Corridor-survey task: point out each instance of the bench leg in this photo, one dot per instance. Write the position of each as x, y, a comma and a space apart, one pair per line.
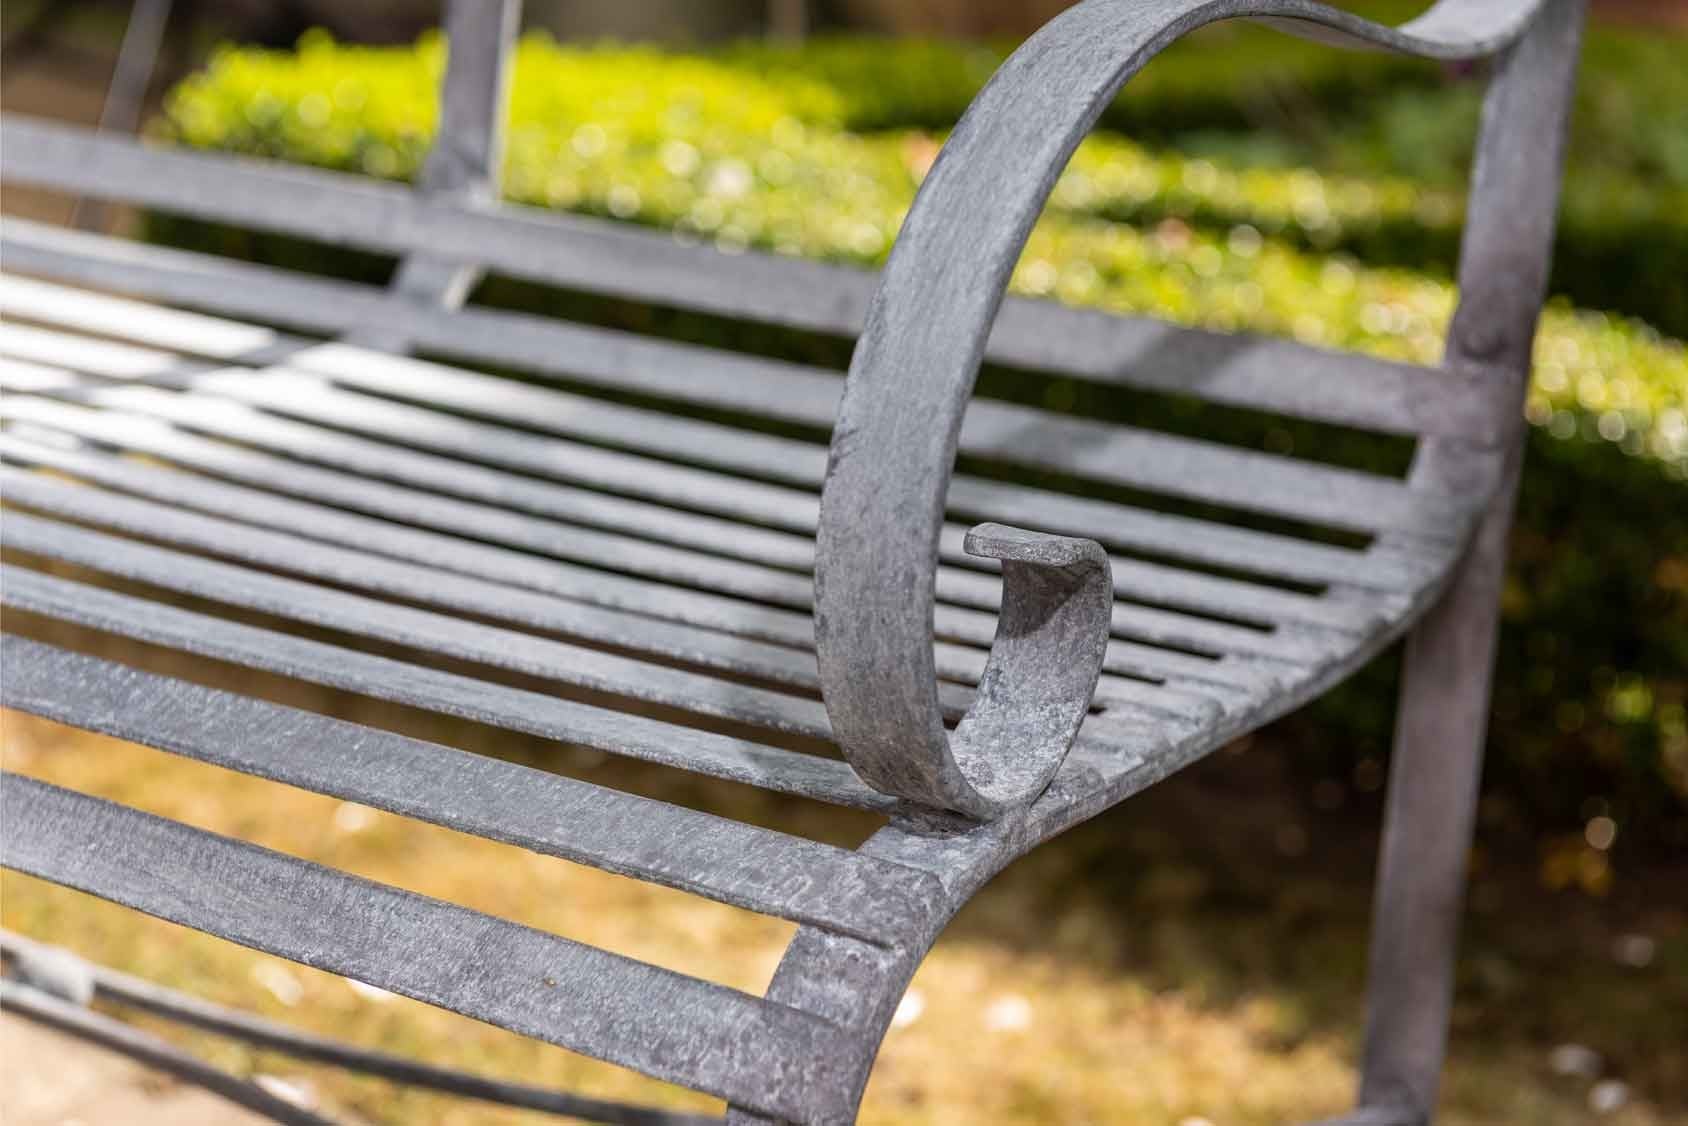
1432, 800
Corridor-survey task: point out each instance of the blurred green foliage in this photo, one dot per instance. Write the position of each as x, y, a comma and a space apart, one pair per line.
1248, 105
698, 146
767, 147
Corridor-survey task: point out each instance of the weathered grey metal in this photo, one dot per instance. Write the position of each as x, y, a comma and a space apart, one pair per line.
954, 621
1442, 721
1188, 674
1163, 585
606, 257
530, 712
1180, 467
1232, 548
771, 873
912, 373
463, 164
659, 564
663, 1023
1034, 694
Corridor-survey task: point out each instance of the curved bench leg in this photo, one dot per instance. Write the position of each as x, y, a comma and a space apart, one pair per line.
1433, 782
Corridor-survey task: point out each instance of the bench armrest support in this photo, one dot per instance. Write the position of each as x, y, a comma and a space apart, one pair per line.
913, 372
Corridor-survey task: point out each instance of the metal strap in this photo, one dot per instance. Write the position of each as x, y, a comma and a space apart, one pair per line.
150, 1050
534, 713
758, 870
665, 1024
613, 258
547, 346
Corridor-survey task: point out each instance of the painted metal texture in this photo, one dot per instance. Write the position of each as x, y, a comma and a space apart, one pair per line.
751, 571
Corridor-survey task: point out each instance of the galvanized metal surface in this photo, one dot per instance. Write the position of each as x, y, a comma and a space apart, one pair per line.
464, 163
653, 559
1444, 711
600, 256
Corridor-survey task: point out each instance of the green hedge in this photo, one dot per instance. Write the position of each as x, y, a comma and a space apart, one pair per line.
1221, 78
701, 146
1622, 242
1253, 112
1624, 232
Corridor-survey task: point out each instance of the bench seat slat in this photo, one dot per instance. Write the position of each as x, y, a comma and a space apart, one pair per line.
613, 258
21, 376
1189, 677
456, 519
280, 391
544, 345
439, 635
428, 633
962, 587
416, 686
756, 869
1174, 466
337, 449
665, 1024
345, 567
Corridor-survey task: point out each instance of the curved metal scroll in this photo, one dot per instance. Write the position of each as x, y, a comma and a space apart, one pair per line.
913, 372
1057, 594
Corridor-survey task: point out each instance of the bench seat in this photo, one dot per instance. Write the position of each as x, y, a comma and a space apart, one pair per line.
387, 498
229, 486
568, 568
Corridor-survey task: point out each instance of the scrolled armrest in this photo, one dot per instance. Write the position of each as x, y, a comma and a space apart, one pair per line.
913, 371
1057, 598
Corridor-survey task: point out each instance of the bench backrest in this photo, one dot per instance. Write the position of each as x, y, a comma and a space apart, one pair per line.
449, 229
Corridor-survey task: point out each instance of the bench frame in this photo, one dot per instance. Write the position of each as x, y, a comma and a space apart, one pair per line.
922, 341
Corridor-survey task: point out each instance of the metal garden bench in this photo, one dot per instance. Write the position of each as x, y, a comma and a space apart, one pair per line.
702, 590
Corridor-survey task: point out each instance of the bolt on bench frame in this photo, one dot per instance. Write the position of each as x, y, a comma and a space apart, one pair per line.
986, 686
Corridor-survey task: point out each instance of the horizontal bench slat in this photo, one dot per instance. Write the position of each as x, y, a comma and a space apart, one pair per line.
1133, 579
138, 994
431, 634
279, 551
158, 1054
596, 255
513, 573
30, 378
677, 561
415, 686
553, 989
280, 391
771, 873
463, 519
1161, 463
544, 345
349, 567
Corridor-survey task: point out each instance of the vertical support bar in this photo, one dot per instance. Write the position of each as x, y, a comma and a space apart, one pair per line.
126, 96
468, 149
1443, 717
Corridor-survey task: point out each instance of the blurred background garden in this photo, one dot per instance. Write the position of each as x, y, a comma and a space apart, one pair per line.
1195, 956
